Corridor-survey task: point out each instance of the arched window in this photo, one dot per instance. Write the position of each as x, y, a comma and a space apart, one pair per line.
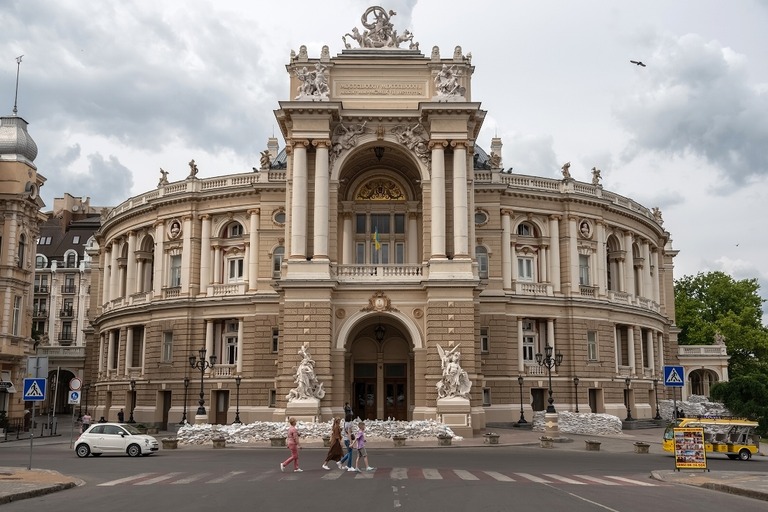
234, 230
277, 261
525, 229
71, 259
482, 261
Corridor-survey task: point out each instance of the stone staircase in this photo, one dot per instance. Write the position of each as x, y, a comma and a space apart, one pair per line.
642, 424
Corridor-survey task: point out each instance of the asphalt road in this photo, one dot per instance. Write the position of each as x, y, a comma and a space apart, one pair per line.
467, 479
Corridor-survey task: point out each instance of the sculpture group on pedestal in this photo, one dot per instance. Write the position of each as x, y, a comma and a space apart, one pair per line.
455, 381
307, 385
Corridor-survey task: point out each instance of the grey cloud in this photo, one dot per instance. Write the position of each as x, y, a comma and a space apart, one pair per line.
530, 154
107, 181
695, 99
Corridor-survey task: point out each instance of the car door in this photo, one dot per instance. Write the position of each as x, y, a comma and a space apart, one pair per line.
114, 439
95, 438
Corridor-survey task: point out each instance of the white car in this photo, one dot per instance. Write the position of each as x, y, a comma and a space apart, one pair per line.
114, 438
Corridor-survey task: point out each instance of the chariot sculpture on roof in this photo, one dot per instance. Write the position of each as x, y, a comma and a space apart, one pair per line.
379, 31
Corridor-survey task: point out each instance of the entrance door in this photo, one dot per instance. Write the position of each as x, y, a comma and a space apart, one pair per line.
222, 405
365, 399
539, 400
395, 401
166, 400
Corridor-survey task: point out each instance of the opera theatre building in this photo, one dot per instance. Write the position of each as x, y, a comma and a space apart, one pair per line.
379, 256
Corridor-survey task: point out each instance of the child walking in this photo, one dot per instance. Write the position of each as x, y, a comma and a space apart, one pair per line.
361, 452
294, 446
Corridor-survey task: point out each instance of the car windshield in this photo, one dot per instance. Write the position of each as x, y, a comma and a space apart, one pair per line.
131, 429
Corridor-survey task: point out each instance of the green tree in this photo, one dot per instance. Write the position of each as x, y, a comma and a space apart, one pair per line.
746, 396
713, 302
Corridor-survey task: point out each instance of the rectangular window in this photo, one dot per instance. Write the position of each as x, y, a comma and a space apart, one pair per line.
525, 269
236, 270
486, 397
275, 339
16, 315
381, 255
399, 253
360, 223
273, 398
584, 269
592, 345
380, 221
167, 352
235, 231
231, 350
175, 271
76, 239
399, 223
529, 343
485, 343
360, 253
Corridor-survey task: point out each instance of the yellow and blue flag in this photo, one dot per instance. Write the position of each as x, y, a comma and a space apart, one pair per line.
376, 239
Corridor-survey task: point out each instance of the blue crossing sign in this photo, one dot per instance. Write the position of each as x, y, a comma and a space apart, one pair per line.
34, 390
674, 376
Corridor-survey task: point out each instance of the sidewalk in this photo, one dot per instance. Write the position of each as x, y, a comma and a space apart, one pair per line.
19, 483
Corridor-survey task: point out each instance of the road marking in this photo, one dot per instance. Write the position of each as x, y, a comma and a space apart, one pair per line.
533, 478
333, 475
597, 480
157, 479
498, 476
224, 478
564, 479
465, 475
126, 479
631, 481
399, 474
431, 474
190, 479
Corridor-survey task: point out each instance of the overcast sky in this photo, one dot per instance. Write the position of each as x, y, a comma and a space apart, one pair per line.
113, 90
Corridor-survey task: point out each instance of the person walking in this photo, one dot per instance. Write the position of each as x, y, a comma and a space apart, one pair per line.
349, 437
120, 416
334, 452
86, 421
294, 446
347, 409
361, 452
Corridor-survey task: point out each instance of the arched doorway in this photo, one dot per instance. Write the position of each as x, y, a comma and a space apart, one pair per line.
381, 367
701, 381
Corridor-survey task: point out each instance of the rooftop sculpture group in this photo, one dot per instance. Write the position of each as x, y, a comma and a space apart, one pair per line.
379, 33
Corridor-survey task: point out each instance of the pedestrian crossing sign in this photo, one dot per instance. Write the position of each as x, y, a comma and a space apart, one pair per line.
674, 376
34, 390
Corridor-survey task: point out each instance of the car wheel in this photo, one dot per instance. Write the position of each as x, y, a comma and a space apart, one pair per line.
745, 454
134, 450
82, 450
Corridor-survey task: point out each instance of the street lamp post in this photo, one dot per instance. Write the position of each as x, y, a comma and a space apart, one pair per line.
548, 361
628, 382
576, 392
238, 379
521, 421
133, 401
656, 394
184, 416
202, 365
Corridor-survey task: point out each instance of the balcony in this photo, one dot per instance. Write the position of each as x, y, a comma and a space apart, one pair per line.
66, 313
224, 370
222, 290
66, 338
379, 273
531, 288
69, 288
40, 312
41, 288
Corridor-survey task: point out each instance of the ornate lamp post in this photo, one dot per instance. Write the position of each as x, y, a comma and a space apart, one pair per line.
133, 401
238, 379
520, 381
656, 394
576, 392
202, 365
548, 361
184, 416
628, 382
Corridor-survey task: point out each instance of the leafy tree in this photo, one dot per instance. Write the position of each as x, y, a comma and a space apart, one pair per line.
714, 302
746, 396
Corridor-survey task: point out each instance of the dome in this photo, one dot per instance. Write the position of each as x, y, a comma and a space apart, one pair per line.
15, 140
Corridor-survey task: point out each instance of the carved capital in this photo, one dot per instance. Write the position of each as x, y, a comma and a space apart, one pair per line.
437, 144
321, 143
459, 144
254, 211
508, 211
299, 143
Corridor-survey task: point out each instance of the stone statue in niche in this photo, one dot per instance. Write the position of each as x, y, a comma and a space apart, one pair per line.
455, 381
307, 385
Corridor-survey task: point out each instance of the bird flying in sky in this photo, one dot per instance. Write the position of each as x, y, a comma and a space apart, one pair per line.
637, 62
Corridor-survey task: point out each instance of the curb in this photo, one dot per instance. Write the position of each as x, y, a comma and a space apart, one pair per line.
39, 491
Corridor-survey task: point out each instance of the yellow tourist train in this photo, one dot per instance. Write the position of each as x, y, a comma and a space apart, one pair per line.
734, 437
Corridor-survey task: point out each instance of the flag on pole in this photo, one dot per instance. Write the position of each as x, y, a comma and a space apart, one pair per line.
376, 239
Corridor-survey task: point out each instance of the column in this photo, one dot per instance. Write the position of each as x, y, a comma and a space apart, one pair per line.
253, 255
128, 350
554, 259
437, 239
631, 350
656, 273
520, 355
506, 249
321, 200
660, 337
543, 264
299, 201
217, 270
646, 287
412, 239
347, 243
460, 212
602, 259
209, 340
616, 349
101, 354
130, 265
240, 354
114, 273
110, 349
106, 275
205, 253
629, 265
573, 254
651, 356
186, 255
159, 259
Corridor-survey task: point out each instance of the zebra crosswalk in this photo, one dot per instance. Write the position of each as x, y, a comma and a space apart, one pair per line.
398, 474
